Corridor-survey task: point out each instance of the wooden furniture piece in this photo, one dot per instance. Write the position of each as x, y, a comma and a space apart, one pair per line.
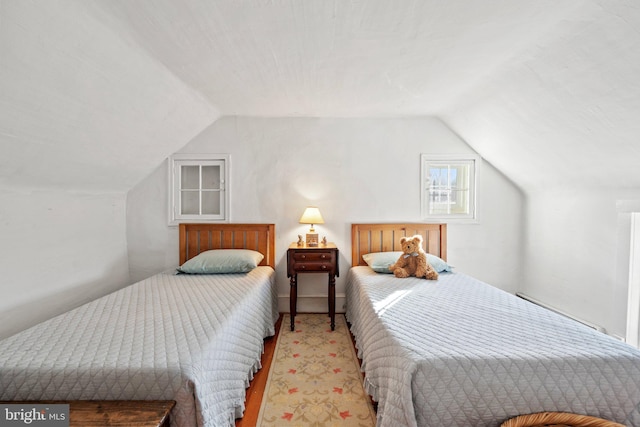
111, 413
559, 419
196, 238
321, 259
115, 413
367, 238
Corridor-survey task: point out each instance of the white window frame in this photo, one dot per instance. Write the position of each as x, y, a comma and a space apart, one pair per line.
176, 161
427, 160
629, 224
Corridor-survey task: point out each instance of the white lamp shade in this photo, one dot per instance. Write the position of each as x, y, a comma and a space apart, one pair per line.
311, 216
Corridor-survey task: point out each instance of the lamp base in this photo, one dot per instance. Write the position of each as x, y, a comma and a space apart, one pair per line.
312, 240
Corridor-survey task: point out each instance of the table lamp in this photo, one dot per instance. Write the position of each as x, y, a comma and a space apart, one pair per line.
312, 216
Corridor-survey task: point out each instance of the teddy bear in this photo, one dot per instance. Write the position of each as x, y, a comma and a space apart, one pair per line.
413, 261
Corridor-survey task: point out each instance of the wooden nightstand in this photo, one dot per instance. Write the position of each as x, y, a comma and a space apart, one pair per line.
321, 259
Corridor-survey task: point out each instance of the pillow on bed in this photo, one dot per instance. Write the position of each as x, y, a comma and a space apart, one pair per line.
438, 263
380, 261
220, 261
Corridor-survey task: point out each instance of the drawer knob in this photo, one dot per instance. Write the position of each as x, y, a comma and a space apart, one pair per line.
303, 256
303, 267
324, 267
323, 256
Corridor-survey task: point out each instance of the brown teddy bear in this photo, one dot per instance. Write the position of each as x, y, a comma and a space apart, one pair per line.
413, 262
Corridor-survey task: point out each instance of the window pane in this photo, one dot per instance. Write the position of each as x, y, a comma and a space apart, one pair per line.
210, 202
460, 189
439, 189
190, 177
189, 203
211, 177
448, 189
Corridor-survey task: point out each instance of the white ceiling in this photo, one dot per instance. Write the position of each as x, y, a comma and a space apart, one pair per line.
116, 85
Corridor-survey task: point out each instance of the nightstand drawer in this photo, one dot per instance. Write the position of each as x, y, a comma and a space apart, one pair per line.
317, 260
313, 266
315, 256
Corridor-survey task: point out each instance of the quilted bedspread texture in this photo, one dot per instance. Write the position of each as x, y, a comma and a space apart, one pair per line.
458, 352
196, 339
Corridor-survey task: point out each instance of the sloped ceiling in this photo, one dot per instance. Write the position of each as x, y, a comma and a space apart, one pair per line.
565, 113
115, 85
82, 107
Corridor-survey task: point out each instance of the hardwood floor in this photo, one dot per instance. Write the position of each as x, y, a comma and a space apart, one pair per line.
257, 386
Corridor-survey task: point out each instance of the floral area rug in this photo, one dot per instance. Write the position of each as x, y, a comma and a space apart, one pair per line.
315, 377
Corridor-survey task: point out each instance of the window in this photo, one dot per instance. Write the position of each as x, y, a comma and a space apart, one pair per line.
448, 187
199, 187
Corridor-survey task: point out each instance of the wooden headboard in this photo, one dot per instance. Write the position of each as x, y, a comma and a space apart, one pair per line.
366, 238
196, 238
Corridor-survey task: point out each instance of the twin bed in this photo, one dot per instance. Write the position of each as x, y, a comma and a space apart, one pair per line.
451, 352
193, 338
458, 352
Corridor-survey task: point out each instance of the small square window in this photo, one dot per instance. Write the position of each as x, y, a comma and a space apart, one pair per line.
199, 187
449, 187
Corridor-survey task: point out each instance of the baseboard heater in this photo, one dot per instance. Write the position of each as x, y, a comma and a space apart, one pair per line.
560, 312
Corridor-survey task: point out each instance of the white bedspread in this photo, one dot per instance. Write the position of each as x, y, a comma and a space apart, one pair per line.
458, 352
196, 339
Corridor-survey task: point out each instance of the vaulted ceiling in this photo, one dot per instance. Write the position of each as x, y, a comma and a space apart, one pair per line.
546, 91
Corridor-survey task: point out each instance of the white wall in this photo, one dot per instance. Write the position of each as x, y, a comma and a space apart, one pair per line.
577, 254
355, 170
58, 250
